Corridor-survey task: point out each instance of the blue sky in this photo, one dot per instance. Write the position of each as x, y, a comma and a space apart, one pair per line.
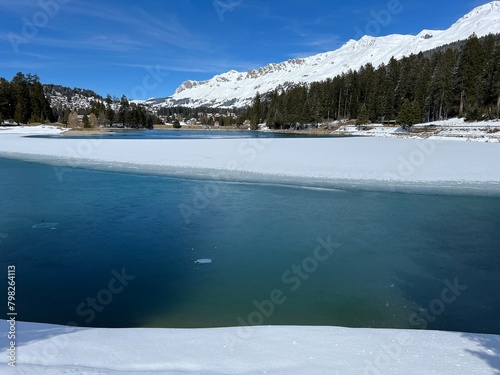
148, 48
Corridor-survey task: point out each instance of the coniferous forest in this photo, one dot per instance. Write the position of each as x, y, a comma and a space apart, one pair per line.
23, 100
462, 79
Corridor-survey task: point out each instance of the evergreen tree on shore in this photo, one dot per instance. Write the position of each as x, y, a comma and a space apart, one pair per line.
410, 114
5, 100
21, 98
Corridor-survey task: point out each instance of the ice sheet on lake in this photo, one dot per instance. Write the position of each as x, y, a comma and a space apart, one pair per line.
375, 163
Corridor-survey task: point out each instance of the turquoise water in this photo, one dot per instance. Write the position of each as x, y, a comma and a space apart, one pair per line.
388, 261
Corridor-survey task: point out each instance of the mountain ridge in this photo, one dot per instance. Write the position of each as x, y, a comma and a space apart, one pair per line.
237, 89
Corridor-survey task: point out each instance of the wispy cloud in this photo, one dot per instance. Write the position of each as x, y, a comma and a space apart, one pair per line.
306, 39
110, 43
321, 42
313, 43
194, 66
167, 30
114, 43
18, 6
20, 64
170, 30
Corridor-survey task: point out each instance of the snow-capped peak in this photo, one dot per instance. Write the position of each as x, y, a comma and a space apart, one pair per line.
481, 11
238, 88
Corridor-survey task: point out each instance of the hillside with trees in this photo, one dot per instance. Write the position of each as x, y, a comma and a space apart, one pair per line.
461, 80
58, 90
109, 112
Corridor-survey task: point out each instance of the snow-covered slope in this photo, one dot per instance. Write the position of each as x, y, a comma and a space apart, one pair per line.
238, 88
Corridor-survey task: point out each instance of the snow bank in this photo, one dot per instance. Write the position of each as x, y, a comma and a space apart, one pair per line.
335, 162
48, 349
453, 129
32, 130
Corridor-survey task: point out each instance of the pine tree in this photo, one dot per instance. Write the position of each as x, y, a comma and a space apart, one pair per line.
496, 79
363, 117
441, 96
40, 107
86, 121
368, 92
469, 74
256, 112
149, 122
416, 113
409, 114
124, 108
390, 86
21, 99
380, 104
490, 98
274, 119
423, 85
5, 98
109, 113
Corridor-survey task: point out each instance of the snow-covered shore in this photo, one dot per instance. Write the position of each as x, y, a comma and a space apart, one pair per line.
43, 349
452, 130
32, 130
335, 162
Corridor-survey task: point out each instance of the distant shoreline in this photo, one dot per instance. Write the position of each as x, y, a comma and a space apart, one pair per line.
97, 131
454, 129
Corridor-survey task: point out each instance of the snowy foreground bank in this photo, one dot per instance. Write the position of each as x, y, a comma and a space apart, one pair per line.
49, 349
334, 162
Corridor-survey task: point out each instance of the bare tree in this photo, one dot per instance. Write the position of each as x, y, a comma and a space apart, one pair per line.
73, 121
93, 120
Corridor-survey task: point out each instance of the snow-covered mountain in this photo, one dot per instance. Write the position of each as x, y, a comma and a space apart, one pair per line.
238, 88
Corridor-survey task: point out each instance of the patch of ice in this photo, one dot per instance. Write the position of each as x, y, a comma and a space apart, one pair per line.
203, 261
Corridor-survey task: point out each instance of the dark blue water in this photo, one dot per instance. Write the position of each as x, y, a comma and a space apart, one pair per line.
119, 250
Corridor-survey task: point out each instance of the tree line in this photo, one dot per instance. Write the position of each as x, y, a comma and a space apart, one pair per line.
104, 112
460, 80
23, 100
123, 113
205, 115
